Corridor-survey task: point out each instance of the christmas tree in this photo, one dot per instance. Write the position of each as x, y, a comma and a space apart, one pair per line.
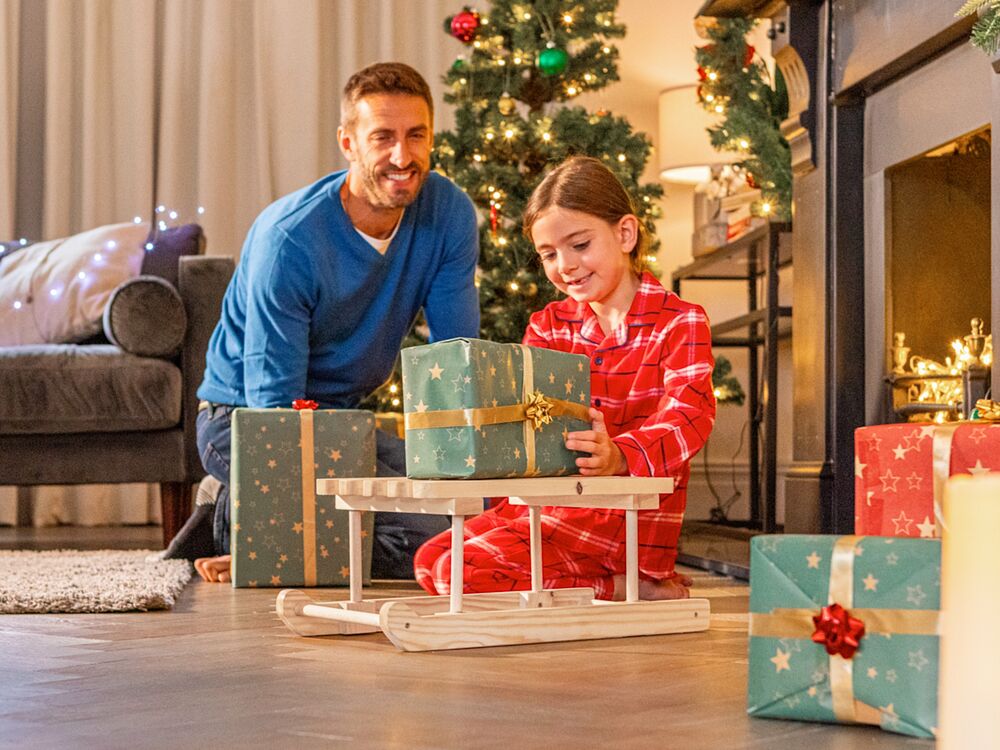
514, 119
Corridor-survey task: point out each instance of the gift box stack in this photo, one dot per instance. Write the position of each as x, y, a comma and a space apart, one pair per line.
477, 409
845, 629
283, 534
900, 470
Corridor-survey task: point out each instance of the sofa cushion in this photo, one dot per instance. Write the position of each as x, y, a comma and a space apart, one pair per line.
55, 291
145, 317
168, 247
68, 389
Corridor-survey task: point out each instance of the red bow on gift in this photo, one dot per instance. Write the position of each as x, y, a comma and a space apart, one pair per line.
838, 631
304, 403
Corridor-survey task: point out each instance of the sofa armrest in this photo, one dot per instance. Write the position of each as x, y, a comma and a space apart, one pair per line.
202, 282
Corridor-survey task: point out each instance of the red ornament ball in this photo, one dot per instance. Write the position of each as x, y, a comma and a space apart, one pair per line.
464, 25
748, 56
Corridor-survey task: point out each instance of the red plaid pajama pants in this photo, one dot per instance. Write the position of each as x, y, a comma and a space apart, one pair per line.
580, 547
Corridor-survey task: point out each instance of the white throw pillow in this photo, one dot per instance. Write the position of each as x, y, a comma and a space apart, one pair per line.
55, 292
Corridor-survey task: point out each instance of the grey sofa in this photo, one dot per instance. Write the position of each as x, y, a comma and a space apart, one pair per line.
94, 414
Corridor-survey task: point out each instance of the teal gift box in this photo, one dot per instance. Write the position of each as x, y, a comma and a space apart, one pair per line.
477, 409
889, 586
282, 534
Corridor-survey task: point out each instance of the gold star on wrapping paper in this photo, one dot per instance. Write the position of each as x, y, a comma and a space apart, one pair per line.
421, 407
467, 380
579, 366
283, 558
900, 452
323, 552
335, 455
891, 676
416, 459
363, 534
552, 377
344, 571
565, 434
859, 467
780, 660
329, 524
281, 419
354, 428
272, 463
493, 370
495, 402
889, 481
470, 461
237, 527
902, 523
253, 555
331, 473
871, 583
297, 527
812, 691
569, 385
275, 580
517, 453
264, 489
583, 398
979, 469
263, 428
913, 439
874, 442
927, 528
891, 559
913, 481
917, 660
268, 446
253, 584
813, 560
435, 371
249, 540
872, 673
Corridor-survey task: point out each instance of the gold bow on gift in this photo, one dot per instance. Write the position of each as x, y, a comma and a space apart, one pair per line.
988, 410
538, 410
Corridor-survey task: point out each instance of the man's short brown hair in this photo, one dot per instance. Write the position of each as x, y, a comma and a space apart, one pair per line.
383, 78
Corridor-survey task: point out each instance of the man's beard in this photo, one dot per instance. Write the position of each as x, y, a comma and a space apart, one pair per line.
381, 198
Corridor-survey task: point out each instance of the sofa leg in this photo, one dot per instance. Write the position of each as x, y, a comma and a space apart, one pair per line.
175, 507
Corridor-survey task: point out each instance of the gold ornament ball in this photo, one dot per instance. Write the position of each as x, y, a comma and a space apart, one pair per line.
506, 104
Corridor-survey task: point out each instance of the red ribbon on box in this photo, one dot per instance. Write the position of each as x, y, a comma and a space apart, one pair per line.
303, 403
838, 631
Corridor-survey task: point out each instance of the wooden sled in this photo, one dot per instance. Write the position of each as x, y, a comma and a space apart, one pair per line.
430, 623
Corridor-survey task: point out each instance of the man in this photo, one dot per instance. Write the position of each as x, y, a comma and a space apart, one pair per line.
329, 282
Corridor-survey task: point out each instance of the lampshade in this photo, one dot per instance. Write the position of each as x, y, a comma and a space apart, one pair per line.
685, 151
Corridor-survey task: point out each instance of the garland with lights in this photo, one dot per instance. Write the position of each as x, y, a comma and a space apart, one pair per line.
735, 84
986, 30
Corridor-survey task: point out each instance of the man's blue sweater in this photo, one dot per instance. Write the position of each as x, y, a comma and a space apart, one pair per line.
314, 311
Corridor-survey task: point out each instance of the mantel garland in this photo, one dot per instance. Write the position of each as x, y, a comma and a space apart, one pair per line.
986, 30
736, 84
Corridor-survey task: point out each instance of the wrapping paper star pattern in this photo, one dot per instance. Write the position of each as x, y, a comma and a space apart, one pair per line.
272, 515
475, 374
894, 472
894, 588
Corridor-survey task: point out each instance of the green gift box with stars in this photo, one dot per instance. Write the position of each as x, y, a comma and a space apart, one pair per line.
282, 534
845, 629
477, 409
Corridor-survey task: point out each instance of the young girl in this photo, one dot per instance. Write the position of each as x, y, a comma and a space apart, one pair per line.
651, 385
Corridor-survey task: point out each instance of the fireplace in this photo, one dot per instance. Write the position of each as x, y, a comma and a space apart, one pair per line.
927, 195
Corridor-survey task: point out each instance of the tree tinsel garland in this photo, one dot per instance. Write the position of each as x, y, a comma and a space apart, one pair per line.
986, 30
736, 84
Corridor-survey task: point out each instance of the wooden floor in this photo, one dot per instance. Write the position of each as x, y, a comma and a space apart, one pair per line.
220, 671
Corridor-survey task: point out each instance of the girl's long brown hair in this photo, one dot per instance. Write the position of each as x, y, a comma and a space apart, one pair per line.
582, 183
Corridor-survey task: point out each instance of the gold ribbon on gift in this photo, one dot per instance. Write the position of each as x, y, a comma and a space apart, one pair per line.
798, 623
535, 411
308, 495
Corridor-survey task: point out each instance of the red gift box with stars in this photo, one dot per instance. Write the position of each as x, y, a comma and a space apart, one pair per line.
281, 532
900, 471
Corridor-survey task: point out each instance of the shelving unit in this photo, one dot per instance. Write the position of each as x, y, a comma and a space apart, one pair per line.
757, 255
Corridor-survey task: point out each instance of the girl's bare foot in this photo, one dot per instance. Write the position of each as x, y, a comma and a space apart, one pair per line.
670, 588
213, 569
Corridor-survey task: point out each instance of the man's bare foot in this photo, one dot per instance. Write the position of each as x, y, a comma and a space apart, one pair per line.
213, 569
671, 588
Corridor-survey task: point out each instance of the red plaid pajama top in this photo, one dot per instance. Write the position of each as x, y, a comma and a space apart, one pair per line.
652, 379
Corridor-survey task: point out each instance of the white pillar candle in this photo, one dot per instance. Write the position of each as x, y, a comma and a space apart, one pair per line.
969, 687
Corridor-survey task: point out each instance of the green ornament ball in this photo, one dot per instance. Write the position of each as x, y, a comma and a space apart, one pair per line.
458, 64
552, 61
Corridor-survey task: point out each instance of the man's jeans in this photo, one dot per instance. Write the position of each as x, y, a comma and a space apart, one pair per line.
397, 535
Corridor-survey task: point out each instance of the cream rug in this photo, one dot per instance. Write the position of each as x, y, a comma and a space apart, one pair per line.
101, 581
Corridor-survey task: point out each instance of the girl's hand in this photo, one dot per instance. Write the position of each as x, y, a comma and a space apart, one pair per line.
605, 457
